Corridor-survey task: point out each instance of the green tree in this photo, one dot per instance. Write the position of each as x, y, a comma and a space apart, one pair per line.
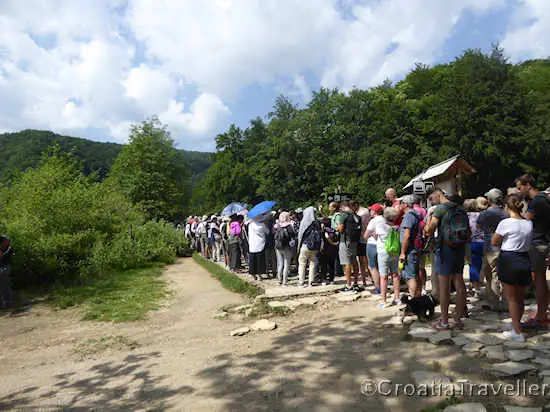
151, 172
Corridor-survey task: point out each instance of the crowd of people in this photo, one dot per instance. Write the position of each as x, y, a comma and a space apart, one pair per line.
504, 239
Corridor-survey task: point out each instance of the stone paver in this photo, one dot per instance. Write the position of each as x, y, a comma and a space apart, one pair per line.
429, 378
460, 340
494, 353
472, 347
545, 362
422, 332
511, 344
510, 408
510, 368
466, 407
440, 337
520, 355
312, 300
348, 298
221, 315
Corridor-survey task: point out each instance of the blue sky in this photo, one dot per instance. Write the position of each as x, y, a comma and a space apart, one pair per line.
94, 67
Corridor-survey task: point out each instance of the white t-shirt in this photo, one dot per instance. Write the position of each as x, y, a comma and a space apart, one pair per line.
256, 236
371, 226
381, 228
516, 233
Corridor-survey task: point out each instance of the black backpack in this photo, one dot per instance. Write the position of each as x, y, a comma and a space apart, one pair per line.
313, 238
352, 228
282, 237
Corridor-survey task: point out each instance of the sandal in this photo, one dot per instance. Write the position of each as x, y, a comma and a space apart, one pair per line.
458, 325
439, 325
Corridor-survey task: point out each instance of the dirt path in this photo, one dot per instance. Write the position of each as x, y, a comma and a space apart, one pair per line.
315, 360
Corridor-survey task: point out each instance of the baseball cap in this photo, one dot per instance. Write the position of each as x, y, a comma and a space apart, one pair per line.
494, 195
377, 208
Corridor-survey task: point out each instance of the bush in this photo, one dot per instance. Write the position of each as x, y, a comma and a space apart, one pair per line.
150, 242
66, 227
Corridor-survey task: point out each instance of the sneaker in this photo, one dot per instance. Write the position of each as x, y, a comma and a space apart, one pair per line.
439, 325
324, 284
382, 305
512, 335
349, 289
376, 291
396, 302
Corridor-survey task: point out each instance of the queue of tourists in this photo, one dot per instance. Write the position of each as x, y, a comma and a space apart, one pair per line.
504, 239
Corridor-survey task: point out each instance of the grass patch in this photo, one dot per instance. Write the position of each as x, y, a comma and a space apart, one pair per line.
262, 308
94, 346
228, 280
122, 297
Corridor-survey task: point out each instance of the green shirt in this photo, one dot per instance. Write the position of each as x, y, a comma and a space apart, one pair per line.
339, 219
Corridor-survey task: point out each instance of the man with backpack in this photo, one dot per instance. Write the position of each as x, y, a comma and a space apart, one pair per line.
488, 221
538, 211
452, 223
409, 257
349, 227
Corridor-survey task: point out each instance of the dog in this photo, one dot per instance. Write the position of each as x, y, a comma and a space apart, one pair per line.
423, 306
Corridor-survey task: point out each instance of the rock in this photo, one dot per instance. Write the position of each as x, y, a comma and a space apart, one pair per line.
545, 336
494, 353
407, 320
542, 361
487, 339
429, 378
263, 324
545, 372
240, 331
520, 355
546, 381
290, 304
540, 346
440, 337
460, 341
490, 339
248, 312
511, 408
395, 321
510, 368
472, 347
349, 298
221, 315
512, 344
308, 301
466, 407
241, 308
422, 332
366, 294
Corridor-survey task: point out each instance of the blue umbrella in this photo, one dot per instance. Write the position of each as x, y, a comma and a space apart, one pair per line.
234, 208
261, 208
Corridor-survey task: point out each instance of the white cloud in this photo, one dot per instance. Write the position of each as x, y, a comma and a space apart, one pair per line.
529, 36
73, 66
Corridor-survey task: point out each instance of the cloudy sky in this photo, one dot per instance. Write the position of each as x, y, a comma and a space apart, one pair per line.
91, 68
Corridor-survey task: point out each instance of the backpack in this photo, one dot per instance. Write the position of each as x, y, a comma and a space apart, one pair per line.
393, 243
282, 238
313, 239
455, 227
419, 241
352, 228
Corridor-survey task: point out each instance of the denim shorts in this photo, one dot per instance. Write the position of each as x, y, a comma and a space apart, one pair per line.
372, 256
387, 264
449, 261
411, 269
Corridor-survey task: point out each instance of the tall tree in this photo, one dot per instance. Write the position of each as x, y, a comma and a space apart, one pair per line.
151, 172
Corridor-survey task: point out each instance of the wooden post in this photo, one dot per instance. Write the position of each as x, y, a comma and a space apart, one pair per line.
459, 184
